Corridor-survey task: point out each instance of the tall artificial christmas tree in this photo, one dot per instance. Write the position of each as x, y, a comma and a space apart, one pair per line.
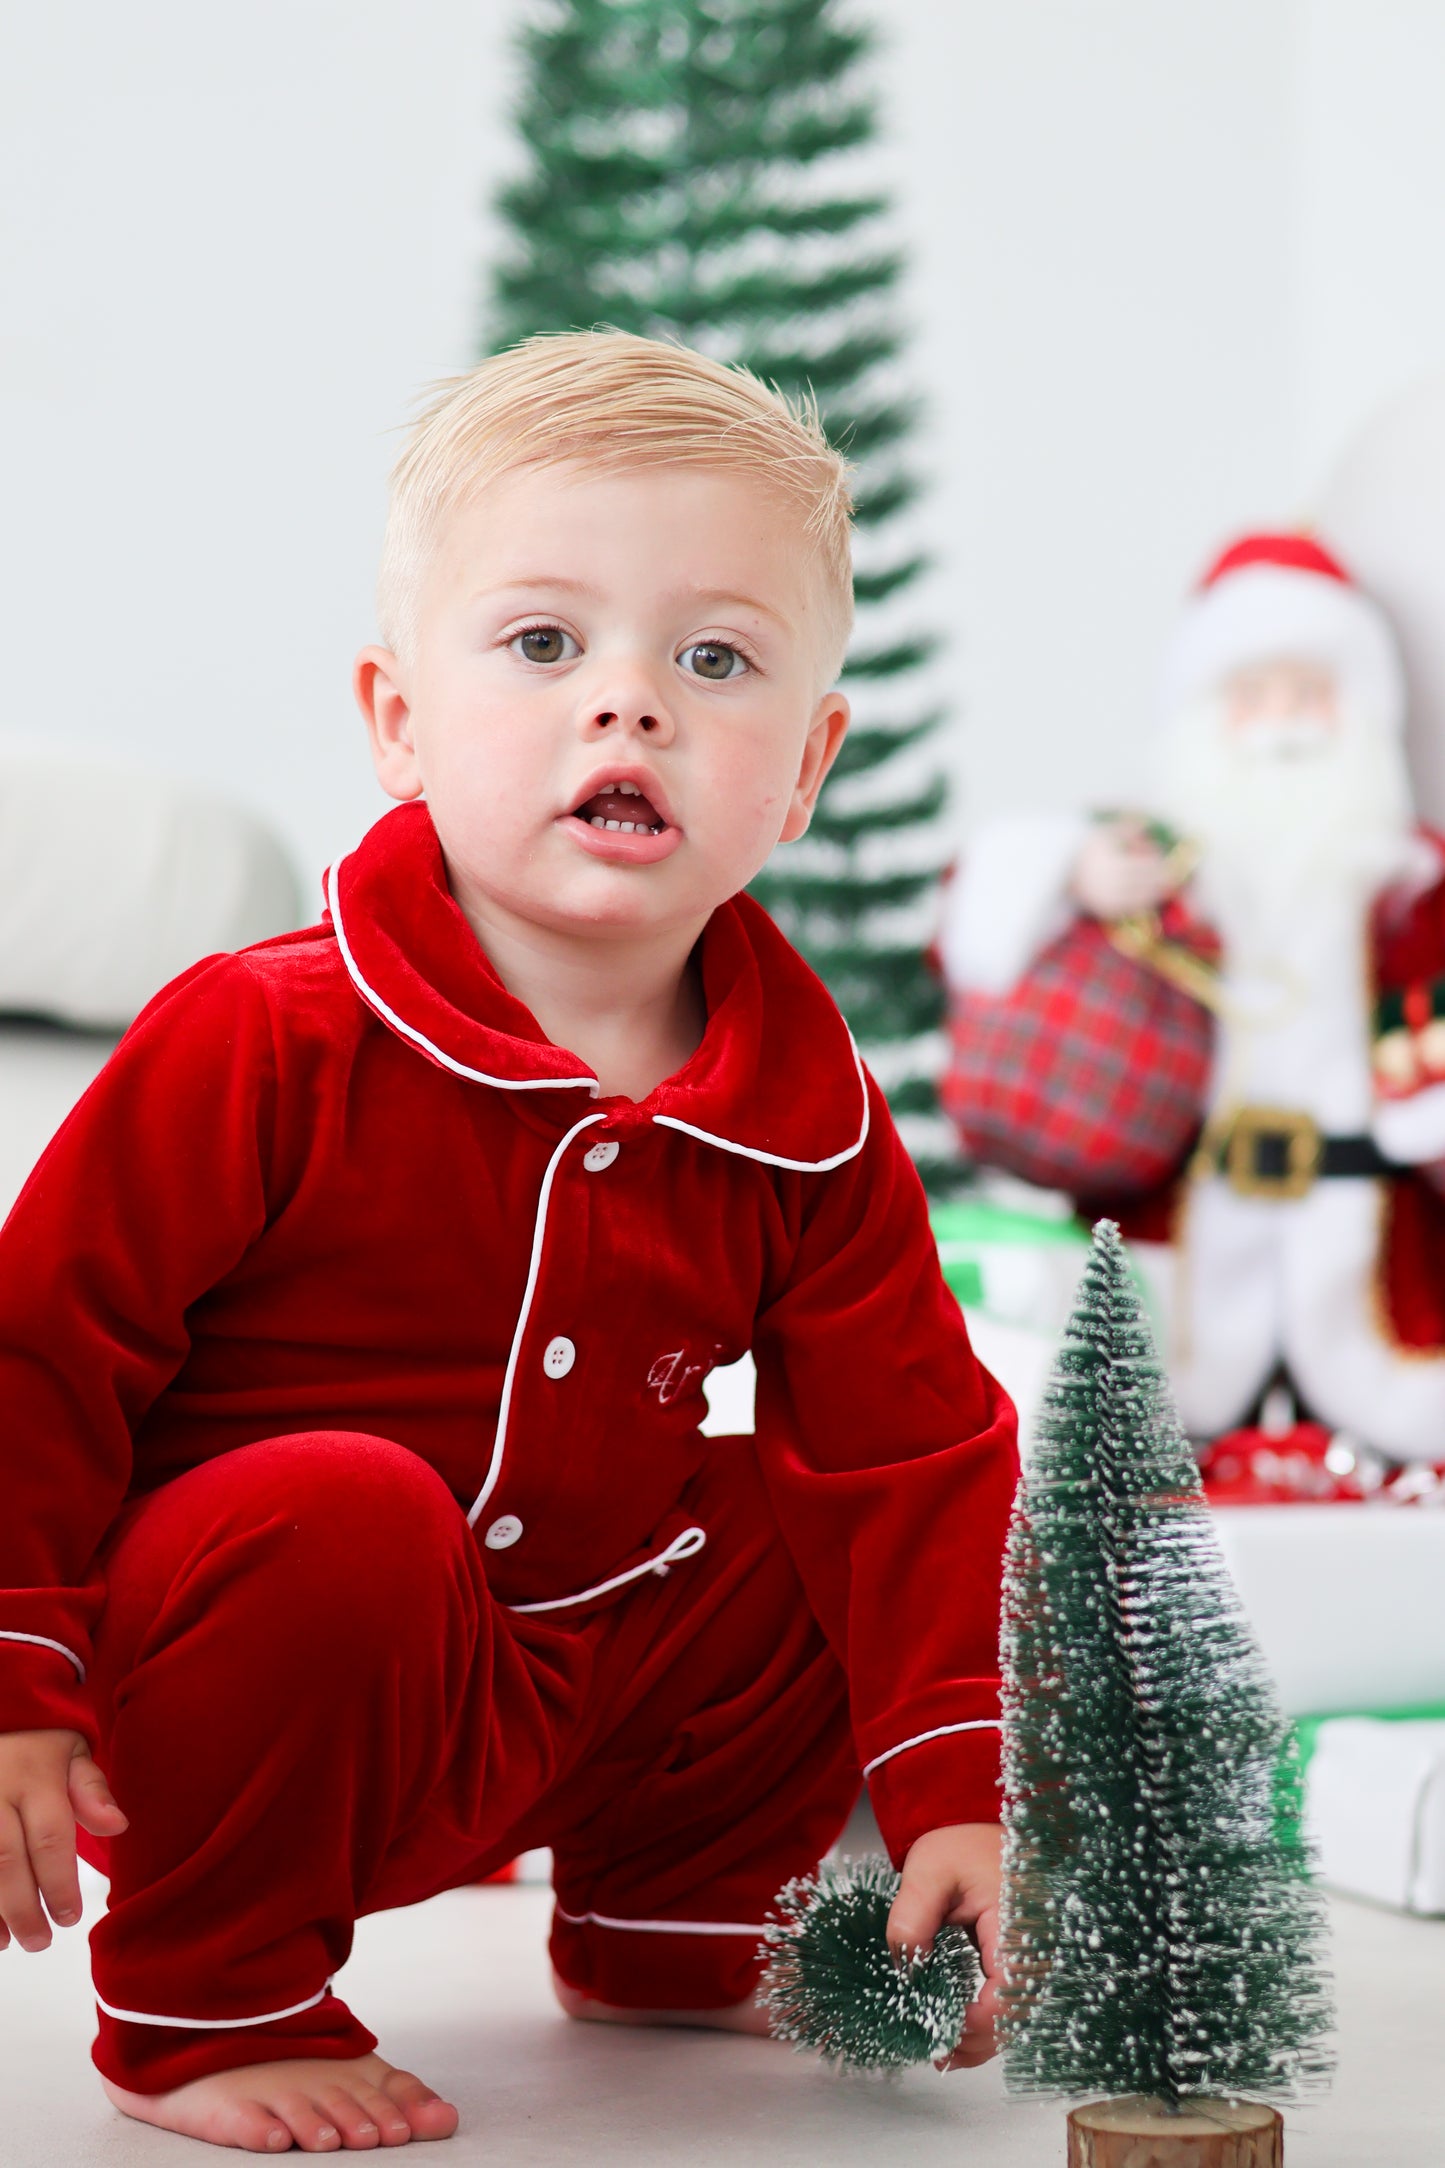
1160, 1936
686, 178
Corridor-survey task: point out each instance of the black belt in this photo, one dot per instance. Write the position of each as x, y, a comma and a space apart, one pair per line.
1277, 1152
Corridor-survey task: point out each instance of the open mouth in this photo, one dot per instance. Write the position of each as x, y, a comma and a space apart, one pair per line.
622, 806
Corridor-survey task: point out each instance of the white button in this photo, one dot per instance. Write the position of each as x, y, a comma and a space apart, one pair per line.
503, 1533
600, 1156
558, 1356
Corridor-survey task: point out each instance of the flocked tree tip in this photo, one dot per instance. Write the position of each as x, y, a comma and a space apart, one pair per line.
833, 1985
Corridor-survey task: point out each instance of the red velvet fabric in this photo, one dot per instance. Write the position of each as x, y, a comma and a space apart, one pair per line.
306, 1196
315, 1708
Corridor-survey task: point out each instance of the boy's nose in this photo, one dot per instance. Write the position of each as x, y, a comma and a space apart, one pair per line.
606, 716
629, 711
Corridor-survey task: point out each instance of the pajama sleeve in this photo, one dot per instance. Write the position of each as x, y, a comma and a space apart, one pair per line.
891, 1461
149, 1192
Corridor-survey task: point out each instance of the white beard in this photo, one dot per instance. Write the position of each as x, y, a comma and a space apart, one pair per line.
1298, 833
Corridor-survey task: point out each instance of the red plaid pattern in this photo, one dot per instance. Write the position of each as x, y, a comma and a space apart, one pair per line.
1088, 1076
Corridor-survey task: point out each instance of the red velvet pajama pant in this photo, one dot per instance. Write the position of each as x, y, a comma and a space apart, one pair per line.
313, 1708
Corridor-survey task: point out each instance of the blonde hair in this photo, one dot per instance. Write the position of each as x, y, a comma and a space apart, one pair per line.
606, 400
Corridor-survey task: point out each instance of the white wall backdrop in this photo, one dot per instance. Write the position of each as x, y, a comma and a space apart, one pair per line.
1166, 261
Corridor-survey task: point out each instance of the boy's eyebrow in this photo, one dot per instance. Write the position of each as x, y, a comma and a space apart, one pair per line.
539, 579
748, 602
561, 582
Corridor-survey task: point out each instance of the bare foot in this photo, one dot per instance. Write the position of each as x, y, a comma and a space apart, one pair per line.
740, 2017
321, 2106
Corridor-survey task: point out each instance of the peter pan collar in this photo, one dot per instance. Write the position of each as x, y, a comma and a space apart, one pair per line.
777, 1077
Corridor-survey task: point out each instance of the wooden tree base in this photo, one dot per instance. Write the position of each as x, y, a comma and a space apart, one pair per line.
1142, 2133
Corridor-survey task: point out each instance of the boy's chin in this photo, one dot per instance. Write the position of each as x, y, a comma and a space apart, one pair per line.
601, 901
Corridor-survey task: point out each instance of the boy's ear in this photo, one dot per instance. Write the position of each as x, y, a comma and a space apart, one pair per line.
820, 749
376, 682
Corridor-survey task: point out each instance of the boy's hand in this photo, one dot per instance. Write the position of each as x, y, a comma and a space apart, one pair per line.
48, 1783
951, 1878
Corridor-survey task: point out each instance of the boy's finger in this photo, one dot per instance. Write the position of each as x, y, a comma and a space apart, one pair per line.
985, 1934
916, 1913
19, 1898
91, 1798
50, 1841
977, 2043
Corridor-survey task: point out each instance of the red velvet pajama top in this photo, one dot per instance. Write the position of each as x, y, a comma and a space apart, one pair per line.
342, 1181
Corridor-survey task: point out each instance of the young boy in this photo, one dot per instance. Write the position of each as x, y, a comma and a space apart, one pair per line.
353, 1328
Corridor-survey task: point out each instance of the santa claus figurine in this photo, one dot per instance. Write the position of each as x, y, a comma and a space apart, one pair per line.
1270, 1123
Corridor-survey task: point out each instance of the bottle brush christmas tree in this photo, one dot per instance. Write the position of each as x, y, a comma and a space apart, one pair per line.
1159, 1933
688, 175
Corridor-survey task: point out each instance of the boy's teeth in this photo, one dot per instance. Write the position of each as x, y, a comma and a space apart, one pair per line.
621, 806
626, 828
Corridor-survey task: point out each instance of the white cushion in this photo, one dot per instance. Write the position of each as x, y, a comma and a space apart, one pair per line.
43, 1071
1375, 1809
112, 881
1347, 1602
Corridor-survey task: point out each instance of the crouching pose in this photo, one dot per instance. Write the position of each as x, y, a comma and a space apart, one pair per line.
353, 1330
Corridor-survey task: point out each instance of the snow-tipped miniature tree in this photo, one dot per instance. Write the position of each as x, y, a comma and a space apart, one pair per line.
1160, 1935
688, 175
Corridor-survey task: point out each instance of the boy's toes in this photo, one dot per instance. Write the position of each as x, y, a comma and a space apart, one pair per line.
251, 2129
311, 2129
364, 2115
427, 2114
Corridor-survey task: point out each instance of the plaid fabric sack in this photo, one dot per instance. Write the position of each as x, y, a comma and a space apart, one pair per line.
1088, 1076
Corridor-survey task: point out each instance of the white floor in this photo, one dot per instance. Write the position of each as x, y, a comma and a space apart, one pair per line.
458, 1990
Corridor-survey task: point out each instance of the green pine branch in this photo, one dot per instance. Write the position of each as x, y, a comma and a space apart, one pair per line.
885, 580
763, 295
918, 811
826, 370
873, 502
886, 662
837, 896
867, 746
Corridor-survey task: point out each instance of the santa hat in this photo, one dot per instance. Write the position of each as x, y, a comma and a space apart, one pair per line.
1280, 597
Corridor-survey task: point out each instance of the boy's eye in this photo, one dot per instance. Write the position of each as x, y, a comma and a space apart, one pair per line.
545, 643
712, 659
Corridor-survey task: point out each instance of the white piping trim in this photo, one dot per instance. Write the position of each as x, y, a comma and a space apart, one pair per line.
661, 1927
43, 1641
776, 1159
533, 1268
388, 1015
939, 1731
212, 2024
687, 1545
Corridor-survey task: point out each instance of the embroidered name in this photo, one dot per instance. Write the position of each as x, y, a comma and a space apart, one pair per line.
672, 1374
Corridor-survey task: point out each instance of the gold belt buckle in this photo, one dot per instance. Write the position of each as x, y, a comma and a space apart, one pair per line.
1303, 1150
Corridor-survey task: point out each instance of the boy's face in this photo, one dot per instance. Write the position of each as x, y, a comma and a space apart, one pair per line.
655, 629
